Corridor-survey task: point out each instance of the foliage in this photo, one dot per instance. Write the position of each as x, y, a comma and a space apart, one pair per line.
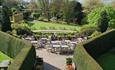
94, 16
83, 60
23, 28
25, 60
26, 15
14, 10
75, 15
86, 53
4, 57
87, 30
6, 24
10, 45
89, 5
56, 7
35, 15
112, 23
107, 60
53, 26
103, 22
44, 6
68, 60
95, 34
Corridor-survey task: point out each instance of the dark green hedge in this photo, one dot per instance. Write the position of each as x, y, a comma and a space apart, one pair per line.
24, 60
101, 44
83, 61
85, 53
23, 53
10, 45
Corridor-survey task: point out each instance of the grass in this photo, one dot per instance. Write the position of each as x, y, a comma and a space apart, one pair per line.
52, 26
4, 57
107, 61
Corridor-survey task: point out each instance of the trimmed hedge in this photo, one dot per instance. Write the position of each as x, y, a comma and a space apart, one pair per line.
23, 52
10, 45
83, 60
24, 60
86, 53
101, 44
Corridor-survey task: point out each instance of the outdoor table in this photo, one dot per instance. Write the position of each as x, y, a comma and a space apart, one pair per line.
54, 42
74, 42
4, 64
34, 42
28, 38
64, 46
56, 48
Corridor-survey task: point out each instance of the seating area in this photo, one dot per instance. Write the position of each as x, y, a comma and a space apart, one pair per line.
63, 46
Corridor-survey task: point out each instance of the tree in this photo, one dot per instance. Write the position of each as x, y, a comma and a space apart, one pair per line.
103, 22
11, 3
73, 11
56, 8
91, 4
77, 12
113, 4
94, 15
44, 5
6, 24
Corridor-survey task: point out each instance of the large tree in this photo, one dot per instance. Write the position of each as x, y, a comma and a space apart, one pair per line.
103, 22
94, 16
5, 19
73, 11
91, 4
56, 8
44, 5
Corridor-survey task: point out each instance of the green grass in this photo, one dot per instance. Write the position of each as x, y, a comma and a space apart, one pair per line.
52, 26
4, 57
107, 61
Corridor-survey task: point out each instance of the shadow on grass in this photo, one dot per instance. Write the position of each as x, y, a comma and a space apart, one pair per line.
48, 66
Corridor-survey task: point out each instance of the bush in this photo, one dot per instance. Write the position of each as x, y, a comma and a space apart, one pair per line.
68, 60
94, 34
87, 30
103, 22
94, 16
35, 15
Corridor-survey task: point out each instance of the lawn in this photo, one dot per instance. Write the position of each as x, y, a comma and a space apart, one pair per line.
52, 26
4, 57
107, 61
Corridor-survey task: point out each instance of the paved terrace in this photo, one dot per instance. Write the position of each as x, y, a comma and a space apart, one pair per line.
52, 61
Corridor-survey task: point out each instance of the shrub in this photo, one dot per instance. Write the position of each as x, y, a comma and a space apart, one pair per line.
35, 15
96, 33
103, 22
87, 30
68, 60
94, 16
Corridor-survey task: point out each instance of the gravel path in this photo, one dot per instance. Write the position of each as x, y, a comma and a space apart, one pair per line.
52, 61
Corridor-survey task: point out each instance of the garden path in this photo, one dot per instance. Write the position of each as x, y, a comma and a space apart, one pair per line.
52, 61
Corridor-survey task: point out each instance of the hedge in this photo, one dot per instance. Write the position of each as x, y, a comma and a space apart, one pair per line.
83, 60
22, 52
10, 45
86, 53
24, 60
101, 44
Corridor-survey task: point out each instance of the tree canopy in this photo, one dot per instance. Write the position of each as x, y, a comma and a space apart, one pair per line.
94, 16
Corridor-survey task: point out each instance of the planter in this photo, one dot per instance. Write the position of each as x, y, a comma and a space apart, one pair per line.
69, 67
69, 64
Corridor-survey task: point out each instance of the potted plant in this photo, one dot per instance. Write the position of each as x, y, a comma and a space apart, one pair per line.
69, 64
